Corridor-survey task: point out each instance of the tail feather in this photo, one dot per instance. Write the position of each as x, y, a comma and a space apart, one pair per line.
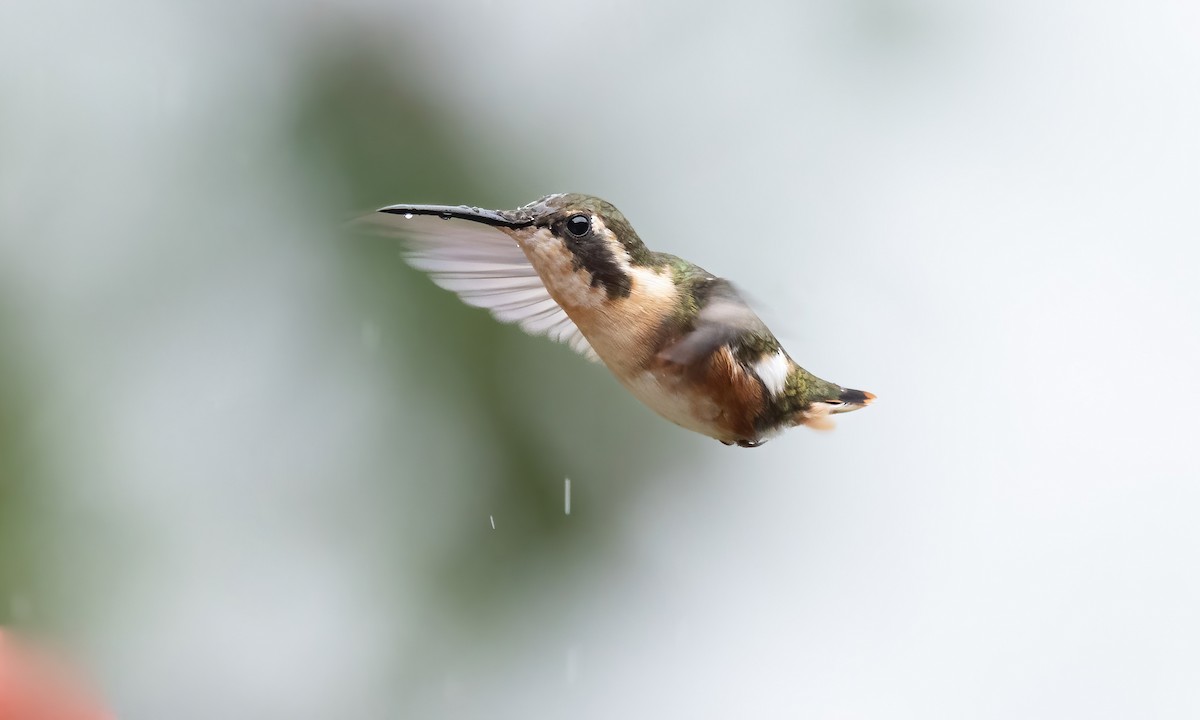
818, 415
855, 399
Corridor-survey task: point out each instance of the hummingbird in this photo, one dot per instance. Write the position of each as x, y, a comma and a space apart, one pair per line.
680, 339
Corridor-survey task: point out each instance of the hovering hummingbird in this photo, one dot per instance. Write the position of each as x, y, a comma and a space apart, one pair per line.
680, 339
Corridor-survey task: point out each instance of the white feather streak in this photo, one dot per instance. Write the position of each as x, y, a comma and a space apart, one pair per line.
773, 371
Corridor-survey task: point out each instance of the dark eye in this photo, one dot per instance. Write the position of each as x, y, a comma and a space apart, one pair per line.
578, 225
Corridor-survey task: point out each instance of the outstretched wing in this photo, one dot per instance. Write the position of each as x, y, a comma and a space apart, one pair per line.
485, 267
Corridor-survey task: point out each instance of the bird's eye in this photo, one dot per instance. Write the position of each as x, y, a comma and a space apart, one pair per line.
578, 225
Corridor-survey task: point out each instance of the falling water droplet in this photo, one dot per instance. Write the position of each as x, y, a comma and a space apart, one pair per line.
493, 519
408, 216
566, 496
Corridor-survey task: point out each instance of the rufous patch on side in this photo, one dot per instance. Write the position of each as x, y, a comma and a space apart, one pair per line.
716, 396
737, 391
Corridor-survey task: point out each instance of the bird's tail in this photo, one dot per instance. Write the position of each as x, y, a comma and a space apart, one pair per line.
824, 399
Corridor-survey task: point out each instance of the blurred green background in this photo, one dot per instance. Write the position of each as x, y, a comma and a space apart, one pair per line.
253, 465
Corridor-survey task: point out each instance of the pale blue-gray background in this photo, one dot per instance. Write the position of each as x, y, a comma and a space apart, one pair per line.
250, 463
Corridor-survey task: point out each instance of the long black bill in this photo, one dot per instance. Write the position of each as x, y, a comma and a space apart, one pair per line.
495, 218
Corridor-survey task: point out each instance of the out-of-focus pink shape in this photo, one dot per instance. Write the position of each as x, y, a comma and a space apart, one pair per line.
35, 686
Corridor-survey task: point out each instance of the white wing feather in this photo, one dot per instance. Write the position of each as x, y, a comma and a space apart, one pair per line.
487, 269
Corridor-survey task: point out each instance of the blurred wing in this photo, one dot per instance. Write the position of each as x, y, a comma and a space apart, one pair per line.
486, 268
724, 319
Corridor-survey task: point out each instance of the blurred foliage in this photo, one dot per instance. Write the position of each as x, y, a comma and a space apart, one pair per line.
377, 131
18, 482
